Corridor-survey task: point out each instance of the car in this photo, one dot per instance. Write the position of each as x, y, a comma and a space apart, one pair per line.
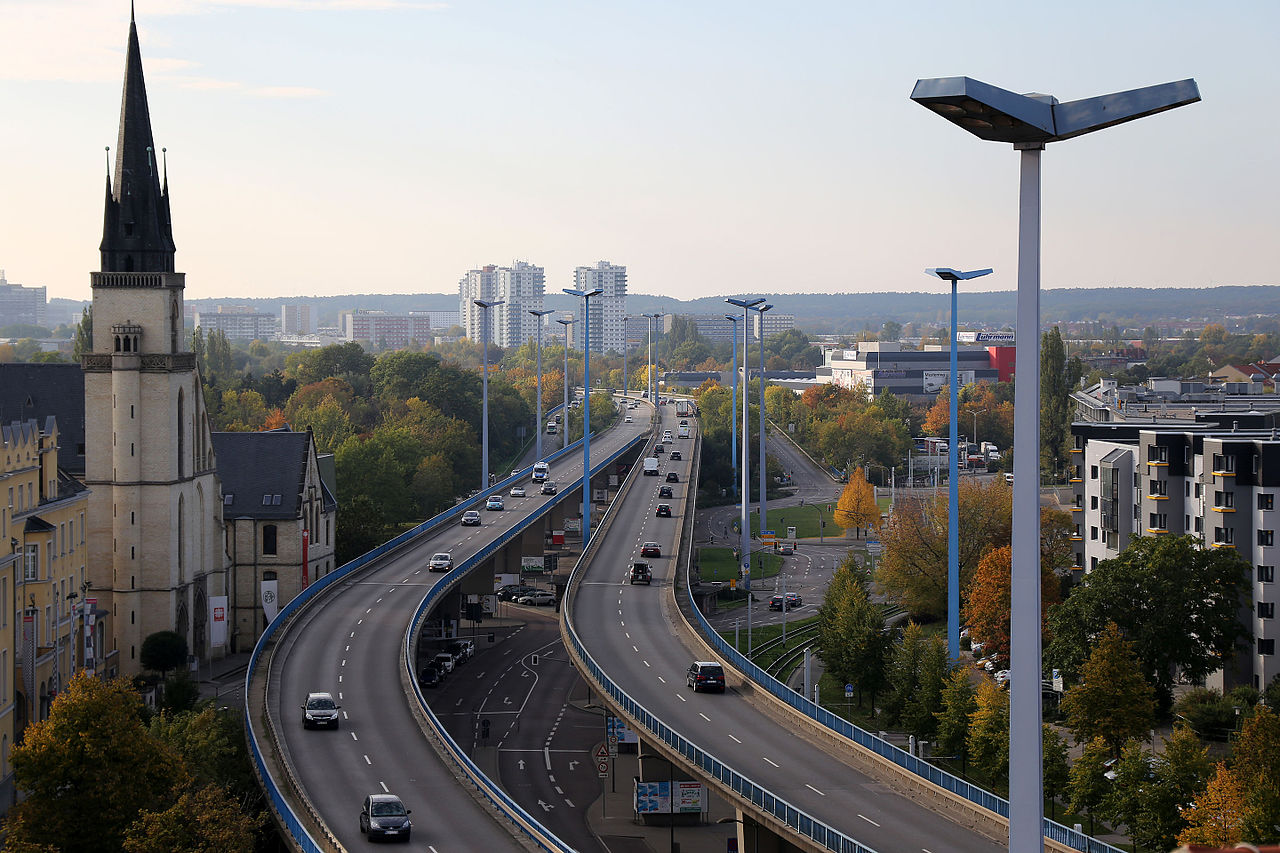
977, 648
666, 435
664, 510
684, 422
441, 562
384, 816
664, 491
659, 448
444, 662
512, 591
705, 675
471, 518
786, 549
462, 650
537, 597
1008, 478
628, 420
651, 549
990, 664
549, 487
429, 676
640, 572
517, 491
673, 477
320, 710
675, 456
494, 502
635, 405
1002, 677
792, 599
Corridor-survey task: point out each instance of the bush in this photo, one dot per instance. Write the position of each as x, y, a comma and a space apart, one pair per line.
1208, 712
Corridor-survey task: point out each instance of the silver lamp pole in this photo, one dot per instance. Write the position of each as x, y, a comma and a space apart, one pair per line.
564, 432
537, 424
586, 407
763, 510
733, 421
744, 534
485, 305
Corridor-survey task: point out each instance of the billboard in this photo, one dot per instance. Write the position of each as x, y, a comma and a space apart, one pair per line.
992, 338
655, 797
933, 381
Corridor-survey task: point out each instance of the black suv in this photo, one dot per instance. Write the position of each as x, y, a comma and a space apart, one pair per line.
673, 477
706, 675
664, 510
641, 573
664, 491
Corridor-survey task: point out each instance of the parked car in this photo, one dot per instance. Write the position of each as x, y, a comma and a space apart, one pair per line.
650, 549
428, 676
512, 591
320, 710
664, 491
549, 487
537, 597
444, 662
471, 518
641, 572
517, 491
1002, 677
494, 502
441, 562
384, 816
675, 456
977, 648
462, 650
628, 419
705, 675
673, 477
664, 510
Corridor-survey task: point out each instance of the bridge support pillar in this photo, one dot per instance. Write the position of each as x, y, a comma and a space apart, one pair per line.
757, 838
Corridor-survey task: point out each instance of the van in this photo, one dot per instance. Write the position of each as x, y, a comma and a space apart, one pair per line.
651, 466
540, 471
552, 428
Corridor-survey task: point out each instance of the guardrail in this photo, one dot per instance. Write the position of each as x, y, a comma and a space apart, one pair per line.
284, 812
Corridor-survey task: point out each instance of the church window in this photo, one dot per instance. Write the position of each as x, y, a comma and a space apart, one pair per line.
269, 539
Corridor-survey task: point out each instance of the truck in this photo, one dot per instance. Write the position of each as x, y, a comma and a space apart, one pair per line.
552, 427
683, 431
651, 466
685, 408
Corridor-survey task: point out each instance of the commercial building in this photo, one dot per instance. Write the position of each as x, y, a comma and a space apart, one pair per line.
608, 328
239, 325
714, 328
520, 288
915, 374
297, 318
21, 305
386, 331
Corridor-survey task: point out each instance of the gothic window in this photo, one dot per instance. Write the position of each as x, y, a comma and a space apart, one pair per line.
182, 433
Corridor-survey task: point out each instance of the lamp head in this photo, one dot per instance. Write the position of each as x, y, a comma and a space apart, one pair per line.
948, 274
489, 303
585, 294
744, 303
733, 318
540, 314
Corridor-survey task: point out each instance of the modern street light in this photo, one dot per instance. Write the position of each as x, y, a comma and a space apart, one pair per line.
485, 305
975, 413
733, 420
763, 510
744, 534
568, 333
953, 455
1030, 122
537, 424
625, 343
652, 383
586, 407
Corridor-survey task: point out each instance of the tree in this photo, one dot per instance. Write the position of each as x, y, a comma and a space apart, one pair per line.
1113, 701
218, 356
989, 731
1138, 590
1088, 785
1179, 771
213, 749
920, 713
986, 607
242, 411
89, 770
1124, 803
850, 638
904, 672
1216, 816
1057, 380
857, 507
958, 704
206, 820
1254, 761
1057, 770
163, 651
84, 334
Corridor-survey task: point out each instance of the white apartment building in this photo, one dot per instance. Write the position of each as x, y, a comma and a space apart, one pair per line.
608, 310
774, 324
239, 325
520, 288
1206, 477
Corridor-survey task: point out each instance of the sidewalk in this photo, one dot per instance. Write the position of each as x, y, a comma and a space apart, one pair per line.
223, 680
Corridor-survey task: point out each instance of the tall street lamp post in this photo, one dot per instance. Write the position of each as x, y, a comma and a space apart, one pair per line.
485, 305
744, 534
537, 424
586, 407
652, 385
763, 510
733, 420
568, 333
1030, 122
953, 456
625, 342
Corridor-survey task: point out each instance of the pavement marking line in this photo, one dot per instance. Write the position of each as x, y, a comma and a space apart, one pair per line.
868, 820
339, 694
681, 698
344, 716
344, 662
353, 736
766, 758
663, 680
339, 679
367, 761
385, 789
352, 634
646, 663
569, 803
704, 716
379, 601
815, 790
634, 649
347, 649
370, 610
559, 790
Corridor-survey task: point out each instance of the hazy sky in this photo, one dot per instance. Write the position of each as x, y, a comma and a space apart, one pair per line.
338, 146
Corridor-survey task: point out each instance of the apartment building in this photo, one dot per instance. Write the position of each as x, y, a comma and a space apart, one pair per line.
608, 310
18, 304
239, 325
383, 330
519, 287
297, 318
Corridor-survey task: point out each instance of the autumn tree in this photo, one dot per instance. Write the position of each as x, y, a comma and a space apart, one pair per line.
1216, 817
1112, 701
1255, 760
1178, 772
204, 820
851, 642
89, 769
857, 507
242, 411
988, 741
986, 607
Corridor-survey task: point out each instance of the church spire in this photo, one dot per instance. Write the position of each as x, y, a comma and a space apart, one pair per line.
137, 235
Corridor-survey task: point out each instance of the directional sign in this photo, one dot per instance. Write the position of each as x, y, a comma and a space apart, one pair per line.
602, 769
848, 691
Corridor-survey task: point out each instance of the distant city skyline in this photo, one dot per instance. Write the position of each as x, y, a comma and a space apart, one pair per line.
339, 146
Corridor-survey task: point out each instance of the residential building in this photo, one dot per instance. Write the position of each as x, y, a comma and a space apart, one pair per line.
608, 328
520, 287
714, 328
774, 323
29, 390
441, 321
239, 325
297, 318
18, 304
386, 331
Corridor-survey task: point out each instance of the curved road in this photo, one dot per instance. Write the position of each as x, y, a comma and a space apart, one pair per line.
348, 643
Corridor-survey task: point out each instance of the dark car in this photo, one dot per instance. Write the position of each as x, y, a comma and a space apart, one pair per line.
384, 815
664, 510
659, 448
320, 710
664, 491
675, 456
651, 549
706, 675
548, 488
512, 591
793, 601
673, 477
641, 573
429, 676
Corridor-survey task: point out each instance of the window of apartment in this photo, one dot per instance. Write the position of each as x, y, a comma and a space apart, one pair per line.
269, 539
31, 565
1266, 537
1199, 524
1266, 574
1093, 533
1093, 472
1160, 487
1186, 488
1224, 535
1225, 500
1197, 490
1093, 563
1266, 500
1266, 647
1159, 521
1093, 502
1157, 453
1266, 610
1224, 463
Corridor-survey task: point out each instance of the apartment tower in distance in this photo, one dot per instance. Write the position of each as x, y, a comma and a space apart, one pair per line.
608, 328
157, 555
519, 286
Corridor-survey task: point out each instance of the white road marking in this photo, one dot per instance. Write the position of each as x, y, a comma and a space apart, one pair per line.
367, 761
704, 716
663, 680
868, 820
766, 758
353, 736
681, 698
344, 662
815, 790
569, 803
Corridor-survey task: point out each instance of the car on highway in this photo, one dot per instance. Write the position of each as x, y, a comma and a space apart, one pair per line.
675, 456
705, 675
628, 420
549, 487
494, 502
666, 435
684, 422
320, 710
471, 518
659, 448
640, 572
537, 597
441, 562
512, 591
673, 477
664, 491
384, 816
517, 491
793, 601
664, 511
651, 549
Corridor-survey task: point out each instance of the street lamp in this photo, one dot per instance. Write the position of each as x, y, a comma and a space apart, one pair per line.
568, 333
744, 534
763, 509
733, 420
537, 424
1030, 122
953, 468
651, 367
586, 406
625, 342
485, 305
975, 413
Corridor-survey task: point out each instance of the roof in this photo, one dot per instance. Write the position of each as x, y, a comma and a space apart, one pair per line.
43, 390
263, 473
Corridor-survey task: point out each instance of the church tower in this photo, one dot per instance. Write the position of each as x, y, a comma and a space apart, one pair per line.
158, 552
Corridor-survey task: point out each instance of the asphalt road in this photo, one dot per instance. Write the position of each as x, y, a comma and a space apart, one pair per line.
625, 630
348, 644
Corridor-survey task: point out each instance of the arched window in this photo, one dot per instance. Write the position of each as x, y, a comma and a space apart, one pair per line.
182, 540
269, 539
182, 433
175, 326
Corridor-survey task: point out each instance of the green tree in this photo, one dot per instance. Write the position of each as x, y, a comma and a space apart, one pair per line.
1124, 803
1179, 771
989, 731
361, 527
84, 334
1255, 760
212, 746
1088, 785
1152, 578
163, 651
206, 820
920, 713
88, 770
1057, 769
958, 704
904, 672
1057, 380
1112, 701
218, 357
850, 638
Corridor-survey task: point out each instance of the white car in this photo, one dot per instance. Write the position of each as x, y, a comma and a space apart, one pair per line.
628, 420
537, 598
517, 491
441, 562
1002, 677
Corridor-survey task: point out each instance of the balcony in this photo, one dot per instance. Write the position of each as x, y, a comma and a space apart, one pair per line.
1224, 509
1223, 545
1153, 463
1157, 497
1077, 509
1076, 537
1156, 531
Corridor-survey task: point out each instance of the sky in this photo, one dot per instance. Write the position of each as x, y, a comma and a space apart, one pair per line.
322, 147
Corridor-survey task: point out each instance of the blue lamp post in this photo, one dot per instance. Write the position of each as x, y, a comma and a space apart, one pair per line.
652, 383
485, 305
1030, 122
953, 469
586, 407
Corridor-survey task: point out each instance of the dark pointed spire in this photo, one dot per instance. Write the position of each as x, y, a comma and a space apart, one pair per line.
137, 235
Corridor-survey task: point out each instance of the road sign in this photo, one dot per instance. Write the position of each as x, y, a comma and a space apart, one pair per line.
602, 752
848, 691
602, 769
613, 746
874, 547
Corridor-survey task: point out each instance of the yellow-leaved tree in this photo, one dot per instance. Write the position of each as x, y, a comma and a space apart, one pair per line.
857, 508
